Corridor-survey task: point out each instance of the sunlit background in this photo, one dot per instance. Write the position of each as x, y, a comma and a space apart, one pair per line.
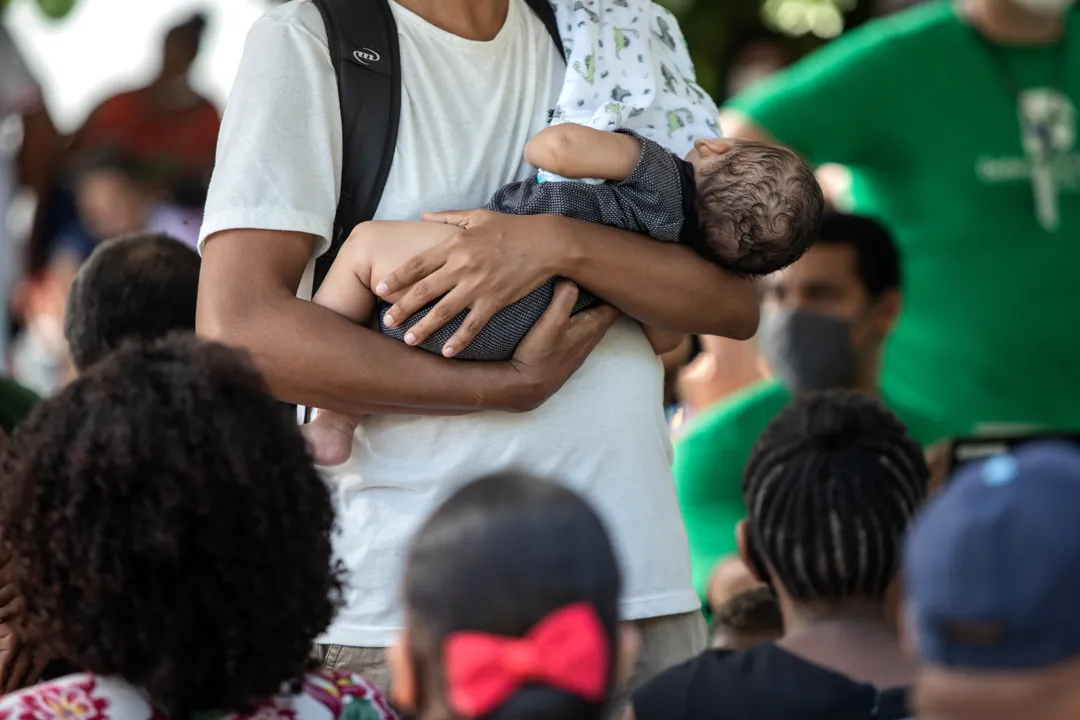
103, 45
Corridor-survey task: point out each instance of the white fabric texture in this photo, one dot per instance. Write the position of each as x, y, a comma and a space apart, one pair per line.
628, 67
468, 109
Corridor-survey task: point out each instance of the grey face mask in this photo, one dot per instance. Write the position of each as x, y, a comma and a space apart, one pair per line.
808, 351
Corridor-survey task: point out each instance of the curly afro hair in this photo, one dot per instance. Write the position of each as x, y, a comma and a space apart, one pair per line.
170, 528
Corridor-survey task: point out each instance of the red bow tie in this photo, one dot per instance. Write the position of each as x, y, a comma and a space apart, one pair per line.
567, 650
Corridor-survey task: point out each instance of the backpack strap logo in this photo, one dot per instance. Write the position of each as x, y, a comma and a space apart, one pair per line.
370, 58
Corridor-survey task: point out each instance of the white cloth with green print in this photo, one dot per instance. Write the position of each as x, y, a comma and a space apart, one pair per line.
627, 66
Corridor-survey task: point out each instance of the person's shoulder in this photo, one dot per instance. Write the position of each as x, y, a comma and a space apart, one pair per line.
101, 697
757, 403
296, 16
674, 692
914, 26
346, 696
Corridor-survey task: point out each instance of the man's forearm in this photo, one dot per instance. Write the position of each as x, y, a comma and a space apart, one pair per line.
312, 356
662, 285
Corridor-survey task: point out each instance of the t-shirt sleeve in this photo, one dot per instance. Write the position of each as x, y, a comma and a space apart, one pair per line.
828, 106
279, 152
708, 483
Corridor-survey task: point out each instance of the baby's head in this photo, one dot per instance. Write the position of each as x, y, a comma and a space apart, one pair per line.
759, 205
511, 577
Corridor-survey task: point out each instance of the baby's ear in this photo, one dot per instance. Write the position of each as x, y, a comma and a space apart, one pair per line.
708, 147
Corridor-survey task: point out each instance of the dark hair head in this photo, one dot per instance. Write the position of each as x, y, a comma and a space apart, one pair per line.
830, 488
168, 528
759, 206
182, 44
498, 557
141, 287
754, 612
110, 159
877, 260
191, 29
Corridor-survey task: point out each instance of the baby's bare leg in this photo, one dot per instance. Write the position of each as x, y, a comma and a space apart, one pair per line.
374, 249
347, 291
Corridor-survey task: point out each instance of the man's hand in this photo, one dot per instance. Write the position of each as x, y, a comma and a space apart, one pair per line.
557, 346
494, 261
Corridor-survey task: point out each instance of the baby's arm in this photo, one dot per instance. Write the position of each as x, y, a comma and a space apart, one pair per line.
576, 151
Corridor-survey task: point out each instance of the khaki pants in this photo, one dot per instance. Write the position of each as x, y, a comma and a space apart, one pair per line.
665, 642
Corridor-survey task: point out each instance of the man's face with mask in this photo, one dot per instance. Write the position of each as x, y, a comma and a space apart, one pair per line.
820, 328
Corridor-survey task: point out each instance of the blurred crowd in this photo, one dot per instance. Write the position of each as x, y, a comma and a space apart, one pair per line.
876, 489
141, 162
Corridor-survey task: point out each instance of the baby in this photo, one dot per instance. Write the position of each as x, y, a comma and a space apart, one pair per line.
749, 207
627, 114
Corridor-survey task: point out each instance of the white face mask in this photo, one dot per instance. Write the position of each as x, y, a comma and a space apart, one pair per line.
1046, 8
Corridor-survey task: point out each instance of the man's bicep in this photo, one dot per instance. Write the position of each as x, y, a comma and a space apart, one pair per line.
242, 271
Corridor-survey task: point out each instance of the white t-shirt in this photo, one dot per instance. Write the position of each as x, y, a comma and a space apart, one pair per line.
467, 110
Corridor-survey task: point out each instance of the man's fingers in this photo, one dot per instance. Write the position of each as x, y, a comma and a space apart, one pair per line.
413, 272
443, 312
474, 322
419, 295
450, 217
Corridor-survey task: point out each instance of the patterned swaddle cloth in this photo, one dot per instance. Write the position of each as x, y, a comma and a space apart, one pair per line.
627, 66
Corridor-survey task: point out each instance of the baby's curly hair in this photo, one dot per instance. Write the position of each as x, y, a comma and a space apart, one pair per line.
760, 208
169, 528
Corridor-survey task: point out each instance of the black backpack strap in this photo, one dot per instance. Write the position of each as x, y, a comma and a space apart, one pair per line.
364, 49
543, 10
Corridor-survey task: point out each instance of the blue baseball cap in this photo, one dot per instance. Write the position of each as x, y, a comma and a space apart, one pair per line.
992, 567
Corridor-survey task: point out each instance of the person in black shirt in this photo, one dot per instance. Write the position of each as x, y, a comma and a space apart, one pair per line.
830, 489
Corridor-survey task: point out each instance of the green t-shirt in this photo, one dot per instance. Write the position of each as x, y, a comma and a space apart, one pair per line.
709, 463
15, 404
916, 106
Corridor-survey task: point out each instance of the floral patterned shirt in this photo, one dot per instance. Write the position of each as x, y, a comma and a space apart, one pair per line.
337, 696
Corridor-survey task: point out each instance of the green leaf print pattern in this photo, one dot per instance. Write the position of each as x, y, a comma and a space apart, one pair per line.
677, 119
589, 72
622, 39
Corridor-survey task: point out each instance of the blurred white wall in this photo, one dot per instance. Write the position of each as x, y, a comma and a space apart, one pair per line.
109, 45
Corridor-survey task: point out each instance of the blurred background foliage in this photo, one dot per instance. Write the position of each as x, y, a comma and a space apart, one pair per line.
721, 32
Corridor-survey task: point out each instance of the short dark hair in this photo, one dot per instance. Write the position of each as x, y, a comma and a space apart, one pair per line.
759, 207
877, 260
169, 528
754, 612
141, 287
500, 555
830, 488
